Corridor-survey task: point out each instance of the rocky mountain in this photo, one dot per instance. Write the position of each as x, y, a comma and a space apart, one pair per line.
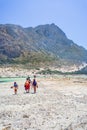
42, 44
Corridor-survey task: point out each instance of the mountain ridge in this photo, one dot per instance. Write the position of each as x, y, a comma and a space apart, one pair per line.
48, 40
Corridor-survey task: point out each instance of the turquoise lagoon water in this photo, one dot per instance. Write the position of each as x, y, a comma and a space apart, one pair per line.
2, 80
12, 79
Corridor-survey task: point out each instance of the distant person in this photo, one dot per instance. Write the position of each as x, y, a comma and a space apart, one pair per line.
27, 85
15, 86
34, 84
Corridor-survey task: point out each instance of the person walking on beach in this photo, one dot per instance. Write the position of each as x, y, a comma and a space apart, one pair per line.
27, 85
15, 87
34, 84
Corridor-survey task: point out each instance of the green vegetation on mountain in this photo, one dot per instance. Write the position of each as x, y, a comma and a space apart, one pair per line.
40, 46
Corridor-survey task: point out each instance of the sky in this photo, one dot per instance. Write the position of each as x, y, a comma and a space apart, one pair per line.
68, 15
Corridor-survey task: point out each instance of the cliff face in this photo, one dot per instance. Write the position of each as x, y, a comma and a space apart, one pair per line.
47, 41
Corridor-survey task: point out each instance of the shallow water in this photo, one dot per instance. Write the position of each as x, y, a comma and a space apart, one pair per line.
2, 80
12, 79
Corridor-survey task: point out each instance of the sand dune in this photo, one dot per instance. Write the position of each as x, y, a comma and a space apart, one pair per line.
59, 104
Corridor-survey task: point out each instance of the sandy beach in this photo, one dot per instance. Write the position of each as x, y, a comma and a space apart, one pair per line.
59, 104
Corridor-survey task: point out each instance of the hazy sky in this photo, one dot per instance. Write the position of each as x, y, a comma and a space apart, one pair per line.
69, 15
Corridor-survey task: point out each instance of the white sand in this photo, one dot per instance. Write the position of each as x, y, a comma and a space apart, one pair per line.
59, 104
